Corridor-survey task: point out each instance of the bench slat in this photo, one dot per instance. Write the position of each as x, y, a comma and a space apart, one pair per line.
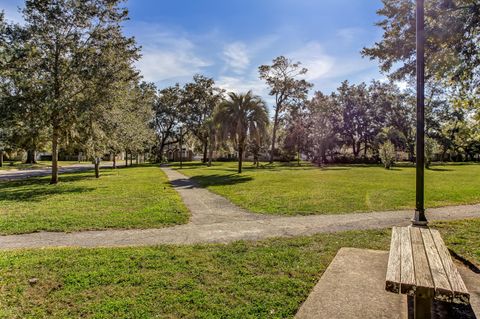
460, 292
443, 290
423, 277
407, 271
393, 270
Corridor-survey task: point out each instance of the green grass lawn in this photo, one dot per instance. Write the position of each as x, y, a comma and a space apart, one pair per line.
7, 166
291, 190
463, 237
266, 279
136, 197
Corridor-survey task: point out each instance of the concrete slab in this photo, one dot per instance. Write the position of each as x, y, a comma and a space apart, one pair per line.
353, 286
472, 281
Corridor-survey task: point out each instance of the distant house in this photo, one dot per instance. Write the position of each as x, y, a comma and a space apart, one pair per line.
173, 153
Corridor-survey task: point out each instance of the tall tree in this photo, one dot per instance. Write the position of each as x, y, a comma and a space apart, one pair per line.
170, 113
323, 122
240, 118
69, 39
200, 97
353, 102
138, 115
282, 78
452, 49
21, 99
296, 133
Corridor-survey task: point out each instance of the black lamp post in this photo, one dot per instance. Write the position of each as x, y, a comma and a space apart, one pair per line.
419, 219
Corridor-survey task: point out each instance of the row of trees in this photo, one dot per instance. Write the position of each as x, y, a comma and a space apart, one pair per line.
358, 119
67, 78
67, 81
355, 121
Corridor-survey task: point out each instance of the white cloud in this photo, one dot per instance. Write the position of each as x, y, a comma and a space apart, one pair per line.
348, 35
241, 84
321, 65
244, 84
236, 57
313, 57
167, 56
327, 71
158, 64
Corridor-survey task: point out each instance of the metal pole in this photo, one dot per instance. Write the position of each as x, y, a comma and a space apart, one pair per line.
419, 219
181, 147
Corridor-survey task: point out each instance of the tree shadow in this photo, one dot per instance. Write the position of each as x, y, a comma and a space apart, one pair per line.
45, 180
443, 309
37, 188
335, 168
437, 169
38, 194
218, 180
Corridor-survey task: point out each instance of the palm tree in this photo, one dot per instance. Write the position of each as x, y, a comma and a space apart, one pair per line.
240, 118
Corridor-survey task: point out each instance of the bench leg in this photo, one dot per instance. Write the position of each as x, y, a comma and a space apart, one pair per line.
422, 307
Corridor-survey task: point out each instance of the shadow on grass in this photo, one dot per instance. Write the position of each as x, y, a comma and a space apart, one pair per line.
335, 168
437, 169
37, 194
37, 188
217, 180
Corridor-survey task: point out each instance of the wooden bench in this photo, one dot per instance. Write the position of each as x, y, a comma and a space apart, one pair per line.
420, 265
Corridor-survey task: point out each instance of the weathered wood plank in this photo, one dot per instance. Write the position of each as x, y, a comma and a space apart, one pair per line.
392, 282
407, 271
443, 290
423, 277
460, 292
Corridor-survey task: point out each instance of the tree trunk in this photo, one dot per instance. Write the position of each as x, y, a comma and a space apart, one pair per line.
1, 158
274, 133
323, 153
298, 155
131, 158
356, 149
97, 167
126, 158
54, 179
210, 153
31, 157
159, 155
114, 160
240, 158
205, 150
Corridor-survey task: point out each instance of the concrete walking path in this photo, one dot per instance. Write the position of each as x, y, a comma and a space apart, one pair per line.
205, 206
15, 174
215, 220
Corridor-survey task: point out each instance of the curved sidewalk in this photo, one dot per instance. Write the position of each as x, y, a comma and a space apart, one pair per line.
14, 174
215, 219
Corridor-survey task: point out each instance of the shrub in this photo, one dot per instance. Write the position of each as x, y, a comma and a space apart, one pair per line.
387, 154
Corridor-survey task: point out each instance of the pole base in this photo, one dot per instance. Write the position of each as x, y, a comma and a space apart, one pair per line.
419, 219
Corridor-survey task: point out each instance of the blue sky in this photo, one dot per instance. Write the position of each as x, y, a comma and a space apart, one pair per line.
229, 39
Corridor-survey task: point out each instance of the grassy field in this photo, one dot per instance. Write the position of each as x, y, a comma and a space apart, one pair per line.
40, 164
266, 279
463, 237
291, 190
137, 197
